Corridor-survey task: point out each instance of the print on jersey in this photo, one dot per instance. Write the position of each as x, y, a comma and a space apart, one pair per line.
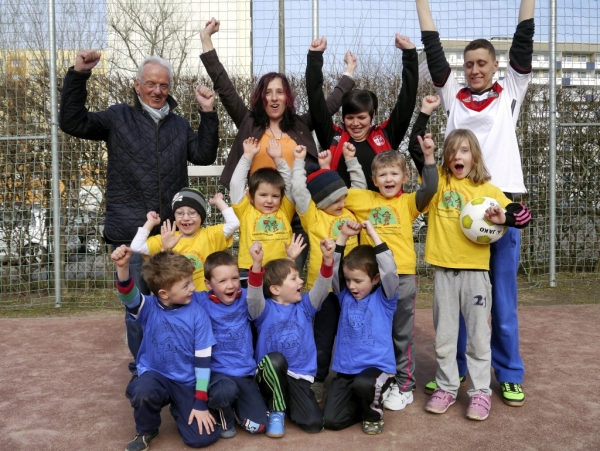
356, 325
232, 338
167, 343
285, 337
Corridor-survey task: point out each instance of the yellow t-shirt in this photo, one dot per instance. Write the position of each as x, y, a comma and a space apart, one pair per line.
392, 219
319, 225
446, 245
262, 158
196, 249
271, 230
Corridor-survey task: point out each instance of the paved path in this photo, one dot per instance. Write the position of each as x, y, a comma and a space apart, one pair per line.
62, 383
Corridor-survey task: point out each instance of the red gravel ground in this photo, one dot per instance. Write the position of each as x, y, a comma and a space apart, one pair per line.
62, 384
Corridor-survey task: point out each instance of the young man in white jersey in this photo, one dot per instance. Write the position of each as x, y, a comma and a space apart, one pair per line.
490, 110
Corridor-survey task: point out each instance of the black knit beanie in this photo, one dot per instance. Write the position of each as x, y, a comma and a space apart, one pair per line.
190, 197
325, 186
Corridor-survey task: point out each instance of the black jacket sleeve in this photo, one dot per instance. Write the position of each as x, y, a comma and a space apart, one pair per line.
317, 106
202, 148
73, 117
436, 60
401, 115
521, 49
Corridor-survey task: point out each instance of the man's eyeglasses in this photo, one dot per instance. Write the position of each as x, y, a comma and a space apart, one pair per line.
190, 214
151, 85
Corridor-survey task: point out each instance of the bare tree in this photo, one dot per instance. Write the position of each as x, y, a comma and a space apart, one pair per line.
140, 28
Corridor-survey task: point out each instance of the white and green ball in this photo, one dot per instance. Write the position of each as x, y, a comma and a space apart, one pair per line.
474, 224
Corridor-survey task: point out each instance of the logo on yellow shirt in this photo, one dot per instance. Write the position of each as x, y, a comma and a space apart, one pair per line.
269, 224
195, 259
452, 202
383, 216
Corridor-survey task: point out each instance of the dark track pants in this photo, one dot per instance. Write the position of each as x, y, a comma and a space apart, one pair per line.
325, 329
356, 397
237, 396
152, 391
284, 393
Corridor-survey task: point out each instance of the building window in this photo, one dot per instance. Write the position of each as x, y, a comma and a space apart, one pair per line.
582, 58
567, 58
567, 74
16, 63
597, 75
543, 57
598, 57
34, 63
544, 74
580, 75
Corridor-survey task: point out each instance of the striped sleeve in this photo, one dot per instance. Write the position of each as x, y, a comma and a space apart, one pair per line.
517, 215
130, 296
202, 370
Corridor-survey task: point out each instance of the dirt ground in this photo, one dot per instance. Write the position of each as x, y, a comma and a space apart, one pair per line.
62, 383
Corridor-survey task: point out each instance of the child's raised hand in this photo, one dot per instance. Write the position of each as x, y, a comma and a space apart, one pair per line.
351, 228
430, 103
256, 252
167, 235
349, 151
403, 42
152, 219
368, 226
296, 246
300, 152
251, 148
274, 149
318, 45
327, 249
496, 214
121, 256
350, 60
427, 144
218, 201
325, 159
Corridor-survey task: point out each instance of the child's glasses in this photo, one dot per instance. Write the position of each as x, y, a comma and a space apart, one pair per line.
190, 214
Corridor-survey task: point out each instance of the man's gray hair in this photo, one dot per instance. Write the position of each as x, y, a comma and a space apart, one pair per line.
155, 60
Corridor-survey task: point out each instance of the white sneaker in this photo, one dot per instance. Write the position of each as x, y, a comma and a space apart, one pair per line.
397, 400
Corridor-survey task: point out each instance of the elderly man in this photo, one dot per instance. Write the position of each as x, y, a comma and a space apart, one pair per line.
148, 149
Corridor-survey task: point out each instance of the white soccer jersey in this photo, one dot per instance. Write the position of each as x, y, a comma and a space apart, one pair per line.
492, 116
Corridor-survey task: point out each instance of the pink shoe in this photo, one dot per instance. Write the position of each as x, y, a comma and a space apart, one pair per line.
479, 406
440, 401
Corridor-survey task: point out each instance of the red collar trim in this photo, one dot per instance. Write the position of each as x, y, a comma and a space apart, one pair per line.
213, 297
465, 96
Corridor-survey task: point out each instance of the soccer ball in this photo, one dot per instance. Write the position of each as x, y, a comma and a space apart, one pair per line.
475, 226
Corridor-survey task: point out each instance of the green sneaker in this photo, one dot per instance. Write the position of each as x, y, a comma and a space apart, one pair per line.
512, 394
372, 427
431, 386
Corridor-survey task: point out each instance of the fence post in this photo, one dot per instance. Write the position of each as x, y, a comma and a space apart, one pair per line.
552, 145
282, 36
55, 157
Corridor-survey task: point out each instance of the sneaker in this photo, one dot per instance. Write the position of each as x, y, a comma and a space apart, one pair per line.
141, 442
512, 394
372, 427
440, 401
397, 400
317, 388
479, 406
275, 428
228, 433
431, 386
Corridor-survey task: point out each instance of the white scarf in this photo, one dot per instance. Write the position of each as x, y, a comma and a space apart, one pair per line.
157, 114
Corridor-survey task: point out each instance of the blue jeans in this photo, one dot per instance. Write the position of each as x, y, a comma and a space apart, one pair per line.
134, 329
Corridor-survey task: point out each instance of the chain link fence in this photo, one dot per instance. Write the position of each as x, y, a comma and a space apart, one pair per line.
250, 43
